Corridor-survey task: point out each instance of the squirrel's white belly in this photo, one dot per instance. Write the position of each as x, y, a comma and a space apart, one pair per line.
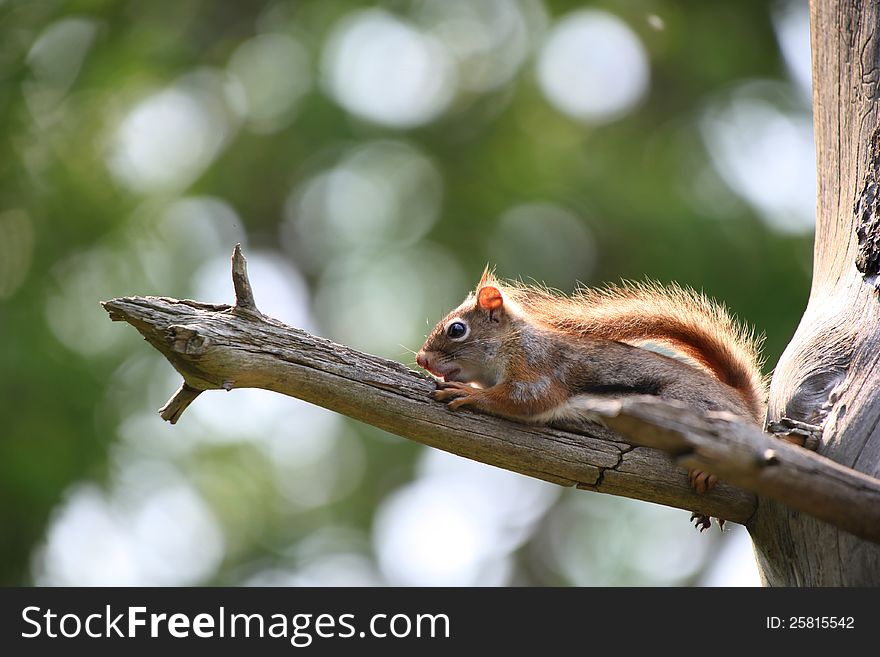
577, 408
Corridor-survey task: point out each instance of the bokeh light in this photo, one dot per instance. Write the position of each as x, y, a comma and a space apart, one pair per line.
457, 524
379, 193
168, 139
166, 536
791, 20
55, 60
586, 558
384, 305
274, 73
765, 154
735, 564
489, 39
80, 281
547, 238
330, 556
387, 70
593, 67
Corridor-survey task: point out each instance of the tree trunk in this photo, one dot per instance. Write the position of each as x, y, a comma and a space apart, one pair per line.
829, 373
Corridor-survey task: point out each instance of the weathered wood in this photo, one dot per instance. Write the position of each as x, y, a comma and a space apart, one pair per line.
174, 407
244, 293
745, 457
216, 347
829, 372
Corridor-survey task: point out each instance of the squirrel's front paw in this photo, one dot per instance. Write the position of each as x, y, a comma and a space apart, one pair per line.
459, 393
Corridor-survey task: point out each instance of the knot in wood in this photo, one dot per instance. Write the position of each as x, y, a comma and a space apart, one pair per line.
187, 340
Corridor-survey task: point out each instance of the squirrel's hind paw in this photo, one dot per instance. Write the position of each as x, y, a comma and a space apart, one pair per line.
703, 522
702, 482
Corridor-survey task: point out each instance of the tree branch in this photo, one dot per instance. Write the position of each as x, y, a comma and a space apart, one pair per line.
174, 407
740, 454
225, 347
244, 293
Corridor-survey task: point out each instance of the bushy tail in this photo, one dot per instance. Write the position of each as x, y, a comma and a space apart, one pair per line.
677, 317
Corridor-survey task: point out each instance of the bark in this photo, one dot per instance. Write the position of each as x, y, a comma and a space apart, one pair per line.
829, 373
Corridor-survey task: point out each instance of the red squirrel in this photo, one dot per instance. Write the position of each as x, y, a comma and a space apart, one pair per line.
530, 354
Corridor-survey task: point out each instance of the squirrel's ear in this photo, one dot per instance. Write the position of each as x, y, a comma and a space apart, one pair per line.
489, 298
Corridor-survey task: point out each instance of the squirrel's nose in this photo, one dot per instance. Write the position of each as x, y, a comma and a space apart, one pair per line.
421, 361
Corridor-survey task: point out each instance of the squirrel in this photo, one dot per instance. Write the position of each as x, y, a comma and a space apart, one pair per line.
531, 354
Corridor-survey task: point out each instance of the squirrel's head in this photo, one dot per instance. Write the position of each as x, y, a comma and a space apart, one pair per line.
465, 345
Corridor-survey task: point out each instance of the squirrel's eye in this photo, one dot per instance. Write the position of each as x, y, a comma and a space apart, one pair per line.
456, 330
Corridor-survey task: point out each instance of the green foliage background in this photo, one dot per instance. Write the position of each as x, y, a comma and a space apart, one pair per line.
630, 183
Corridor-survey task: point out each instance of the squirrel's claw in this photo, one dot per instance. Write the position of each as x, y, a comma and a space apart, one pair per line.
459, 393
450, 390
703, 522
455, 404
702, 482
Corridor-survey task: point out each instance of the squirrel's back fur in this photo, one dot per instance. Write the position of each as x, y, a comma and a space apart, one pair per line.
679, 318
